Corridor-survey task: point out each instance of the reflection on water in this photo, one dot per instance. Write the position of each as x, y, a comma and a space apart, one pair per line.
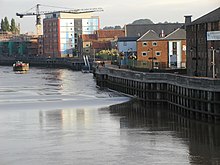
202, 139
53, 117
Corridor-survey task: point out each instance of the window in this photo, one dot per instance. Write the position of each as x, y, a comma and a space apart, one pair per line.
154, 43
144, 53
158, 53
174, 44
87, 45
144, 43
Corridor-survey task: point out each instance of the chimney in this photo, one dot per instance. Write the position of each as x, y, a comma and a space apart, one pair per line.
187, 20
162, 34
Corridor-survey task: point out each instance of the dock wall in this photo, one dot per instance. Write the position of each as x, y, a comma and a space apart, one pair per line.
195, 97
71, 63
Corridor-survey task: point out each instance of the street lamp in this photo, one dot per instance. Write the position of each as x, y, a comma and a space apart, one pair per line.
196, 58
213, 62
152, 58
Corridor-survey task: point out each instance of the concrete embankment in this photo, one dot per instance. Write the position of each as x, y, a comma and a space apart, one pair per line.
195, 97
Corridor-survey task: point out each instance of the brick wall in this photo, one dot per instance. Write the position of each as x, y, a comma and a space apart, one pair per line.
151, 50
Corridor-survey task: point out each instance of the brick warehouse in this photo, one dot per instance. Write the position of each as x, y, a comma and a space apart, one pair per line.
200, 49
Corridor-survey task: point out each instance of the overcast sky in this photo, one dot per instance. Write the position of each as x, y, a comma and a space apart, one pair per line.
116, 12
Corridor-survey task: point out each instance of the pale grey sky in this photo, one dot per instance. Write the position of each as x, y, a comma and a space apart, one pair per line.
116, 12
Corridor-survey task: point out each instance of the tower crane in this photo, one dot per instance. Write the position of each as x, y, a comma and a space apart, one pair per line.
38, 13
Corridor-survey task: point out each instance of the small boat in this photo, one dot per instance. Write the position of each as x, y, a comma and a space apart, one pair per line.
20, 66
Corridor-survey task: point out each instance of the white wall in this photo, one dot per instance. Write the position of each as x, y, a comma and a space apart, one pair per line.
179, 53
67, 35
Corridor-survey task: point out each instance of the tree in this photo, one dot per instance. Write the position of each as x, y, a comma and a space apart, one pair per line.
143, 21
13, 28
118, 27
6, 24
108, 28
3, 25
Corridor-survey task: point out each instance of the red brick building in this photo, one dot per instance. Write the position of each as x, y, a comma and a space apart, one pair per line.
100, 40
109, 35
154, 52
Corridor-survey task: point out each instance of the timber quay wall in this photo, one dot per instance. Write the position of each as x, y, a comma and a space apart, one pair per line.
192, 97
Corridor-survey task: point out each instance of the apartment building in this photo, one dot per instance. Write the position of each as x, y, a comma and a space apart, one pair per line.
61, 32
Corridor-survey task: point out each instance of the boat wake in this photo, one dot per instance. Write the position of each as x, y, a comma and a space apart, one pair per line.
56, 102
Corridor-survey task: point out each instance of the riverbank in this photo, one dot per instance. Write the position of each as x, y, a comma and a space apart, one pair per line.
70, 63
194, 97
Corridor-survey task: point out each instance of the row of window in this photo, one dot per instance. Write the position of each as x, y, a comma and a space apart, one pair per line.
154, 43
50, 24
146, 53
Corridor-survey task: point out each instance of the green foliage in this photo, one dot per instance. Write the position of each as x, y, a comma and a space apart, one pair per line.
6, 24
3, 25
108, 54
6, 27
13, 26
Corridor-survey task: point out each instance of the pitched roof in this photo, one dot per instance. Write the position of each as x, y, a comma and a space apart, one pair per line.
101, 44
178, 34
138, 30
149, 36
89, 37
127, 39
210, 17
110, 33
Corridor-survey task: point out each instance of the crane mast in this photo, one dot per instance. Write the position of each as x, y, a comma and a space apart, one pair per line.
38, 20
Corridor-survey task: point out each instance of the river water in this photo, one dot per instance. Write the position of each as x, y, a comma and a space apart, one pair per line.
57, 116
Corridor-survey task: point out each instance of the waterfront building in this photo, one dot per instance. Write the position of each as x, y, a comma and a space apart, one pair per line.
19, 46
5, 36
127, 46
138, 30
61, 32
203, 45
85, 44
90, 44
151, 50
109, 35
155, 52
176, 48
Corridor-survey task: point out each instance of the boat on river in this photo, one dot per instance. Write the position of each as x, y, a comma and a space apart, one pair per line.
20, 66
